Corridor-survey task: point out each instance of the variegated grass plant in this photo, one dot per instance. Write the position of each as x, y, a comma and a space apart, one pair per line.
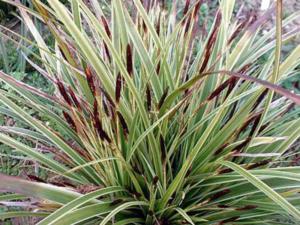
156, 119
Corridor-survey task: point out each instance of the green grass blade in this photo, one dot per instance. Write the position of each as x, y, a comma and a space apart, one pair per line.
277, 198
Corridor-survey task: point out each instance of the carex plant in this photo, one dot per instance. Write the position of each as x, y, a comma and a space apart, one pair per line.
157, 117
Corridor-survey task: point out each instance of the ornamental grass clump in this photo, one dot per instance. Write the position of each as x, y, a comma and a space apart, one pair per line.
157, 118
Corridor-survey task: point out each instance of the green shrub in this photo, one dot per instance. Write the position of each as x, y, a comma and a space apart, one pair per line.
155, 119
